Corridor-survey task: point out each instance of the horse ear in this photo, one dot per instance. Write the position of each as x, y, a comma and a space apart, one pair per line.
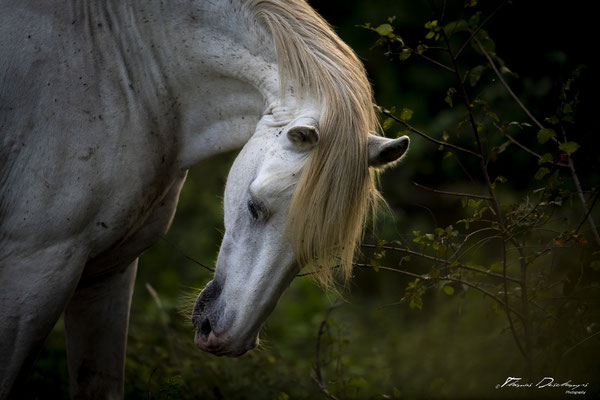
303, 137
383, 152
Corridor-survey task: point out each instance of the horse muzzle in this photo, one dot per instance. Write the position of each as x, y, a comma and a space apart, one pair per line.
216, 331
221, 344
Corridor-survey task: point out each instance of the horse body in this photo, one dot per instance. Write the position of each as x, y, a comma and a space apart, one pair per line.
104, 106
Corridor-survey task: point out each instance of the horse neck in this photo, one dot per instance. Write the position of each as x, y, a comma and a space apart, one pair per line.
222, 65
208, 61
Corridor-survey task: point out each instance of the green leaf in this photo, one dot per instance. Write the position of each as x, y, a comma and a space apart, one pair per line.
545, 134
567, 108
430, 35
456, 26
464, 221
474, 204
404, 55
450, 231
406, 114
470, 3
545, 158
404, 132
500, 179
283, 396
486, 42
474, 19
569, 147
416, 303
475, 74
385, 30
493, 116
448, 99
542, 172
403, 260
387, 124
358, 382
375, 264
496, 267
483, 104
553, 120
449, 290
431, 24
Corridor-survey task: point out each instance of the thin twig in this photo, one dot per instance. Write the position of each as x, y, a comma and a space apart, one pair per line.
508, 89
475, 196
185, 255
418, 132
407, 273
436, 259
591, 207
481, 242
587, 211
431, 60
507, 310
476, 31
580, 343
318, 376
513, 140
525, 317
444, 278
454, 255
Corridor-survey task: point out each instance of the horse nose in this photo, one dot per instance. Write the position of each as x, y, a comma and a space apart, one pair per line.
216, 332
206, 316
205, 328
207, 340
208, 296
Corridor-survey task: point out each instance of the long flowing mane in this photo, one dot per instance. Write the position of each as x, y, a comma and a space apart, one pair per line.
336, 188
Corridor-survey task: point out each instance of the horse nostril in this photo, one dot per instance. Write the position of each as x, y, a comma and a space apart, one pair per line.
205, 327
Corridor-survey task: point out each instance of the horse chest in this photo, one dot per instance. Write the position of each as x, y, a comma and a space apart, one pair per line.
132, 232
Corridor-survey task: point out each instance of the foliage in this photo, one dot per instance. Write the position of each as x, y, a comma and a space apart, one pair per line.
534, 257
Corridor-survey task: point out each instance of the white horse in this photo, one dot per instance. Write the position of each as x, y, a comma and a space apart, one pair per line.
104, 106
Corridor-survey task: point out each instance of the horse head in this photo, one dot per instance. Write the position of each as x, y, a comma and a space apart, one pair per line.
257, 260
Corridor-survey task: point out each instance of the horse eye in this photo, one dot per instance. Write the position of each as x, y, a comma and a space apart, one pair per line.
256, 210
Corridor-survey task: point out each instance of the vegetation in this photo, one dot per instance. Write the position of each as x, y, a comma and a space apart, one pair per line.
486, 266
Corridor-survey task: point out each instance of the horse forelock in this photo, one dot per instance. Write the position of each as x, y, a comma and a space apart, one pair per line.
336, 189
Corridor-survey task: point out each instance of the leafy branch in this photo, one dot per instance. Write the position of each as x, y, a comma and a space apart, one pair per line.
520, 275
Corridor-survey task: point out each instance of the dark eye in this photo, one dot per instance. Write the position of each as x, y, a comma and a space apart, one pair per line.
256, 210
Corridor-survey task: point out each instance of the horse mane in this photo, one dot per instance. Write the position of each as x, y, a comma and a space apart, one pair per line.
336, 189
